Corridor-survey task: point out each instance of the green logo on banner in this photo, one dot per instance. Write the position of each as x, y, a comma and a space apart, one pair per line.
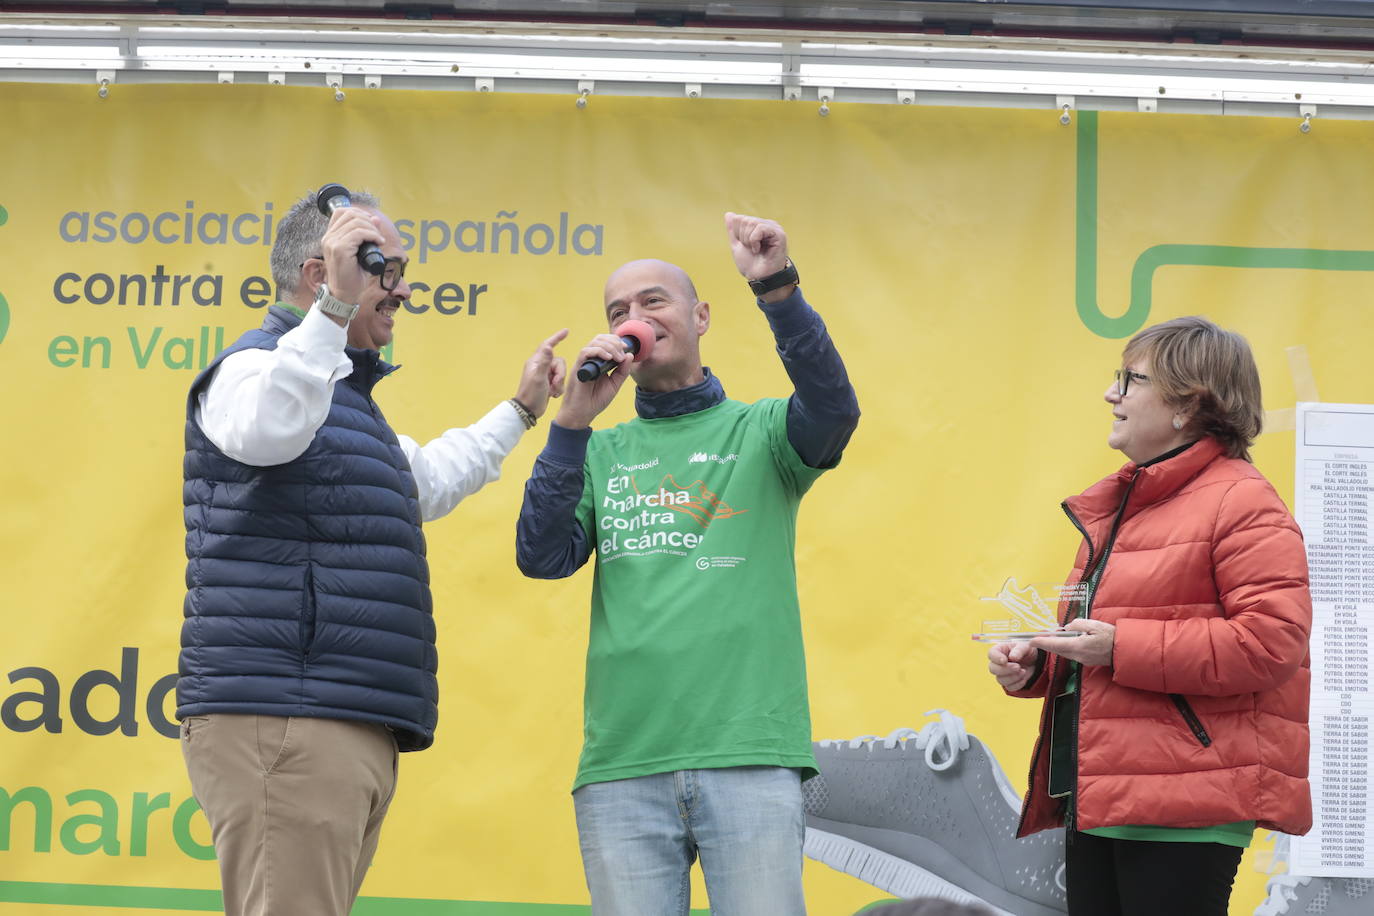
1158, 256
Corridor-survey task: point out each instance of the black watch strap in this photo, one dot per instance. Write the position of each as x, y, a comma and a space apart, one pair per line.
775, 281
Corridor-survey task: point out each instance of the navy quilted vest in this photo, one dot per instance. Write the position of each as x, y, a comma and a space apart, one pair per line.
307, 586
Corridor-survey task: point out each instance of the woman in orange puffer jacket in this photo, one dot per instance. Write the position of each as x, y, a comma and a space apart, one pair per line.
1176, 723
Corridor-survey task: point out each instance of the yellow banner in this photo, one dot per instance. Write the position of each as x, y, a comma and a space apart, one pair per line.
978, 269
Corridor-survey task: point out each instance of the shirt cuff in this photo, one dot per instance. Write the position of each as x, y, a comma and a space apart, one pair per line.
788, 317
567, 447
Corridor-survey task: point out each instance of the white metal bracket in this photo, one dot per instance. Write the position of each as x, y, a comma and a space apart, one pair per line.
791, 70
484, 84
906, 96
826, 96
1308, 112
1065, 104
103, 79
335, 81
693, 90
372, 81
584, 89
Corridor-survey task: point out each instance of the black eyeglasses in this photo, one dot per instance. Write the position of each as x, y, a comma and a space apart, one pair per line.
393, 269
392, 272
1124, 377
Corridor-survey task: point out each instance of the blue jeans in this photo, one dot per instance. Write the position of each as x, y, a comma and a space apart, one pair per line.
640, 836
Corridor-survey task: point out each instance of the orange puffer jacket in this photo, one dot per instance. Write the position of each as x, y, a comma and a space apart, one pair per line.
1201, 718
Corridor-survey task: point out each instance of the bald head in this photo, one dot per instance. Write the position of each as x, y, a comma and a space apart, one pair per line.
663, 295
646, 273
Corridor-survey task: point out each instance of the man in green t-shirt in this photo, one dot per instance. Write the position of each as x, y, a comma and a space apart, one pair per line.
697, 728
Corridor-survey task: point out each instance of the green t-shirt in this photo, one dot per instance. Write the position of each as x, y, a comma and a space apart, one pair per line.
695, 657
1237, 834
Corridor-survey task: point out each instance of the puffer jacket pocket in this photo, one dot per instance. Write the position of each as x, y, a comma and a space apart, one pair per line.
308, 612
1195, 725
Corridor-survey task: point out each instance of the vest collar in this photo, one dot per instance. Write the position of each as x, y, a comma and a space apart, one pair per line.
660, 405
280, 319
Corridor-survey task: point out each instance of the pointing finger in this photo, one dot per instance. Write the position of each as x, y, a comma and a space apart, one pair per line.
554, 341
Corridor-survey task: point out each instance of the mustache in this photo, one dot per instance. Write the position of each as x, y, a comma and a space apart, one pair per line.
390, 302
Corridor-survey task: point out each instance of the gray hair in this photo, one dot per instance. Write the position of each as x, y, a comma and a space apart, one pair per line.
298, 238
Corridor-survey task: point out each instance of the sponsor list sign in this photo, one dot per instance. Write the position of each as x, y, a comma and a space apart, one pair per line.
1334, 496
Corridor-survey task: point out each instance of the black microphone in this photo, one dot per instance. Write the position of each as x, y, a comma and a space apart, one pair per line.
638, 338
330, 198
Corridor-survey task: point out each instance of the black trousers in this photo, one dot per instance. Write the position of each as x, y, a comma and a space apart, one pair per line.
1108, 877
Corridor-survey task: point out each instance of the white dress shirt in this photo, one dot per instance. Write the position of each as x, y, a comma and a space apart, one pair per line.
263, 408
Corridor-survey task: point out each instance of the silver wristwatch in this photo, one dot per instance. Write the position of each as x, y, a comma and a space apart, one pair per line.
326, 303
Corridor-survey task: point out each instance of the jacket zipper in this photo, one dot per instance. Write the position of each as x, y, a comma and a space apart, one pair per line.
1071, 815
1189, 716
1092, 578
1040, 739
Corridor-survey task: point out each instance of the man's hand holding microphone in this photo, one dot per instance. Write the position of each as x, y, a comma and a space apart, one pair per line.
599, 378
349, 229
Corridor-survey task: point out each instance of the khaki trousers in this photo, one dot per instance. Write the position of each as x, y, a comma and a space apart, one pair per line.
295, 807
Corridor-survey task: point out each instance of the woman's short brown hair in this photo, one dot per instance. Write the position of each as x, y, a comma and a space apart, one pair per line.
1207, 371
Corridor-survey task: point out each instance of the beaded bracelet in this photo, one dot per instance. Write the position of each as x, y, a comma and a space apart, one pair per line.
526, 415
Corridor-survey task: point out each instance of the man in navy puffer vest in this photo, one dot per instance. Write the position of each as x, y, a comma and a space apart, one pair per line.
308, 655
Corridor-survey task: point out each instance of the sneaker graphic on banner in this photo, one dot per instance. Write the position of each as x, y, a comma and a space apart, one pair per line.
1296, 895
930, 813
